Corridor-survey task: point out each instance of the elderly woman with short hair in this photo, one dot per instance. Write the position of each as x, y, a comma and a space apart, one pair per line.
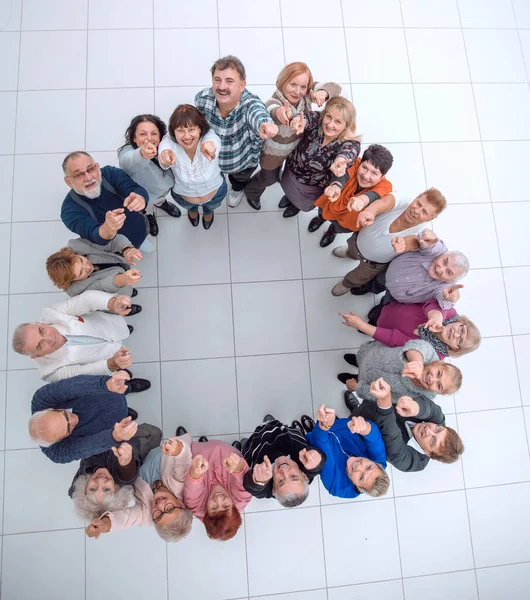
104, 481
83, 265
449, 333
214, 488
411, 370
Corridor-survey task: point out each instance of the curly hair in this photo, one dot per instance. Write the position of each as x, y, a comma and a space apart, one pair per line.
88, 509
176, 529
223, 525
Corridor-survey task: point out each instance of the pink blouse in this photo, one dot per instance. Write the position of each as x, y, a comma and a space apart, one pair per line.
196, 491
397, 322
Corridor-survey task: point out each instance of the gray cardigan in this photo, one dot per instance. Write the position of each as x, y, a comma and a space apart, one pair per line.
103, 280
377, 360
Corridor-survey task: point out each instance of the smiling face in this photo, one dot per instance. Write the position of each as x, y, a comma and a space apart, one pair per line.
430, 437
100, 485
165, 506
188, 136
454, 335
82, 268
362, 472
146, 132
419, 211
368, 175
296, 88
445, 269
83, 175
218, 501
287, 477
333, 123
436, 378
227, 87
41, 339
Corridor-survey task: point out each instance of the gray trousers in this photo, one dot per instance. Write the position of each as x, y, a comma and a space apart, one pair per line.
263, 179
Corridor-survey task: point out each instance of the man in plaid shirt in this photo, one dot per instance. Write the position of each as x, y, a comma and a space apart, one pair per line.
239, 118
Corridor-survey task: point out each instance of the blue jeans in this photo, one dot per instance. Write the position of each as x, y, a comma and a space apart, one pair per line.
207, 207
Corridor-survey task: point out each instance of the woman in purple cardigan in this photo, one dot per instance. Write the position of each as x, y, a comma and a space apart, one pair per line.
448, 333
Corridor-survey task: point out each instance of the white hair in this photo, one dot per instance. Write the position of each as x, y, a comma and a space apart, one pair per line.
460, 261
88, 509
35, 428
178, 529
19, 338
293, 499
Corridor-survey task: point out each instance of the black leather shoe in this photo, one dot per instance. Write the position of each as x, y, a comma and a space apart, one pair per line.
359, 291
131, 329
328, 237
134, 293
237, 445
297, 425
153, 225
129, 372
374, 314
290, 211
350, 401
268, 418
351, 359
181, 430
315, 223
255, 204
244, 442
138, 385
343, 377
132, 413
307, 423
208, 224
135, 309
284, 202
203, 438
194, 220
172, 209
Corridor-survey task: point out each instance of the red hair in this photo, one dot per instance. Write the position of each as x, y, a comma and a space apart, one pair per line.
223, 525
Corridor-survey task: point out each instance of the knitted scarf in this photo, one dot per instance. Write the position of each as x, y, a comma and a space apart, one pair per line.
433, 339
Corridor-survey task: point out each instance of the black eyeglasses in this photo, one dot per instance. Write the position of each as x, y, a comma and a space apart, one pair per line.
68, 430
168, 508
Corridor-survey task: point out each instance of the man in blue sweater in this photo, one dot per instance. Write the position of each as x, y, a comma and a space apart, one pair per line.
81, 416
102, 202
355, 455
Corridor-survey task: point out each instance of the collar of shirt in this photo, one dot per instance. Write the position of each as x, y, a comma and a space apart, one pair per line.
412, 441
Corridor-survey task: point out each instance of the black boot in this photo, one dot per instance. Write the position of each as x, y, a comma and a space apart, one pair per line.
237, 445
350, 401
297, 425
315, 223
374, 314
284, 202
328, 237
203, 438
351, 359
290, 211
307, 423
181, 430
153, 225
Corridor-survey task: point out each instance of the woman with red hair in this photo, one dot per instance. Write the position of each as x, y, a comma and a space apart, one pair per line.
214, 490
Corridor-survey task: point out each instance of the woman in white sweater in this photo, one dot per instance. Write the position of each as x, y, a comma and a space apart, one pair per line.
191, 150
139, 159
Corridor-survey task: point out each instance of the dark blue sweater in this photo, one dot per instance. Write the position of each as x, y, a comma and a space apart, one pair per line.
77, 219
98, 411
333, 475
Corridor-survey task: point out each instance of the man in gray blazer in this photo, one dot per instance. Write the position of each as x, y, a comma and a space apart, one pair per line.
83, 265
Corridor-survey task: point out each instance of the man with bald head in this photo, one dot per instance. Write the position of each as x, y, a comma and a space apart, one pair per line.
81, 416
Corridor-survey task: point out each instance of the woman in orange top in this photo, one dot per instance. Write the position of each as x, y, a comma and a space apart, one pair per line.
366, 183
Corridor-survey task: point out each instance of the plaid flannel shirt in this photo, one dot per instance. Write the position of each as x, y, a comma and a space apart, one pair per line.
239, 132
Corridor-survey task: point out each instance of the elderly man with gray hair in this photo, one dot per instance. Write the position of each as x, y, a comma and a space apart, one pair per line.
158, 492
282, 464
417, 276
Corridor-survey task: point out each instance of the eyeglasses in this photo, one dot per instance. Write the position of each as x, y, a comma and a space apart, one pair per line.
461, 333
168, 508
80, 175
69, 431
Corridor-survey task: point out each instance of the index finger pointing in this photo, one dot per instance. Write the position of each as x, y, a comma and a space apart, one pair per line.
267, 461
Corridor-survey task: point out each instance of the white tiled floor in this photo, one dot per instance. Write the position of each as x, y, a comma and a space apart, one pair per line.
242, 322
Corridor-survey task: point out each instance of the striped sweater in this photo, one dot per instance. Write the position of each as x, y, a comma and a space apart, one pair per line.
239, 131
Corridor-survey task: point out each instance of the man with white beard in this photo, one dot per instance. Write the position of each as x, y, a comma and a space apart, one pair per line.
102, 202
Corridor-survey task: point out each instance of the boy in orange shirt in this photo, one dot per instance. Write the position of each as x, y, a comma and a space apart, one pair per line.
366, 183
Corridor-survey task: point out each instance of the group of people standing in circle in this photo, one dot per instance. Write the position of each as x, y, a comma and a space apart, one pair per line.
127, 475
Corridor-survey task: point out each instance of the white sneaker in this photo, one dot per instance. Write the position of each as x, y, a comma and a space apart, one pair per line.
234, 198
341, 252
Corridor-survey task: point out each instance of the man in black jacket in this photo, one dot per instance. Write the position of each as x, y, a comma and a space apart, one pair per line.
282, 465
400, 424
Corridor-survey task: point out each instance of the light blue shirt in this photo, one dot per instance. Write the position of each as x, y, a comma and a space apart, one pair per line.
83, 340
150, 470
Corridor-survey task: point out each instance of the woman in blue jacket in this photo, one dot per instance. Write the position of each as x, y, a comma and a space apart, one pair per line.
355, 455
